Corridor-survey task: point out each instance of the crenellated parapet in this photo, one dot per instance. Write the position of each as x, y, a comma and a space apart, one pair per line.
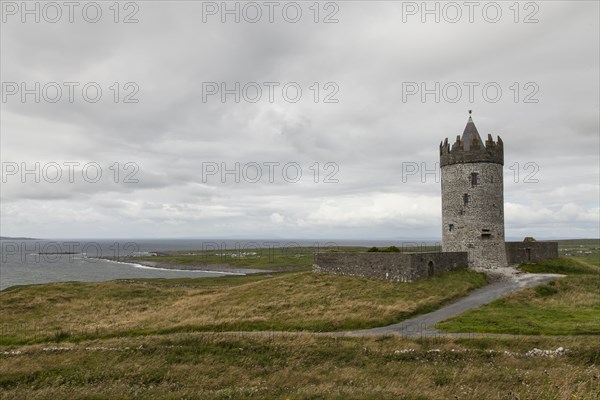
472, 151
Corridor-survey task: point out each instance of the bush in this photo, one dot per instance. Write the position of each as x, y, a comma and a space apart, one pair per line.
391, 249
545, 290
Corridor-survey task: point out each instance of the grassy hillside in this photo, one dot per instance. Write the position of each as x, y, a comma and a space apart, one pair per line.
293, 301
144, 339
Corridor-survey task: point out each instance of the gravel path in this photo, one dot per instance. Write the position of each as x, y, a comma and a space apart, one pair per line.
505, 281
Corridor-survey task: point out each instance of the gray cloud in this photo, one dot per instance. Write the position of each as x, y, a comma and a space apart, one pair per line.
371, 134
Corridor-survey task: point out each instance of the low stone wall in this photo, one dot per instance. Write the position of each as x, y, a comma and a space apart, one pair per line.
401, 267
526, 251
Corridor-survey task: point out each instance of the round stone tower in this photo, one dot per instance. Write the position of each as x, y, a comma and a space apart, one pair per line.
473, 198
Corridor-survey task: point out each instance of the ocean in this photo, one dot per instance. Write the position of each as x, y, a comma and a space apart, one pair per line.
25, 261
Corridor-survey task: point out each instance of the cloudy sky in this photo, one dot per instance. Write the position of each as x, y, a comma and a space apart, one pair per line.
296, 121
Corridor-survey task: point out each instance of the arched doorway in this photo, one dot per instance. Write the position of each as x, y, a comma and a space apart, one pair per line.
430, 268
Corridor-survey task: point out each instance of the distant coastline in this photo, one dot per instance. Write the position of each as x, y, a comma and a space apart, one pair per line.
220, 268
165, 267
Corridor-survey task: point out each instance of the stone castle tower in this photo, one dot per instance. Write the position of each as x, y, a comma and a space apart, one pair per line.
473, 198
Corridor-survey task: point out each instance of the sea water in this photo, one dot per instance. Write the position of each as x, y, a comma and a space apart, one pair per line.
25, 261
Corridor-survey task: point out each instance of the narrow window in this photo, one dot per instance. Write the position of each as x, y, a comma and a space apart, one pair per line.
474, 180
450, 227
465, 199
486, 234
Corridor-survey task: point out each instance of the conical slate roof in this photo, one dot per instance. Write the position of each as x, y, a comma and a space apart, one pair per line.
470, 135
470, 148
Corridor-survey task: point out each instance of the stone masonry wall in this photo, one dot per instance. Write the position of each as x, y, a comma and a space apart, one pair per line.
473, 213
523, 252
400, 267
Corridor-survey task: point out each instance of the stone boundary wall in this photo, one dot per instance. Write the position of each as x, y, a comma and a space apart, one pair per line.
400, 267
523, 252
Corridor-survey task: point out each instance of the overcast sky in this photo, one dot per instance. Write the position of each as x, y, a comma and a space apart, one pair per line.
370, 132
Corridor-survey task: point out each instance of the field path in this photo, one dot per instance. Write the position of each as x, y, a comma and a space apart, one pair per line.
423, 325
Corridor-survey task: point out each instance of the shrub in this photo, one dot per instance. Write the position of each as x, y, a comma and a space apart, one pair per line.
545, 290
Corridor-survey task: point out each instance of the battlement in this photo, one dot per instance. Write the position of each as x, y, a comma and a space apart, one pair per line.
470, 148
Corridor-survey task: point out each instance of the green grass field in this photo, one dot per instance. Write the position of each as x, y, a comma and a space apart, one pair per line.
290, 258
587, 250
566, 306
234, 366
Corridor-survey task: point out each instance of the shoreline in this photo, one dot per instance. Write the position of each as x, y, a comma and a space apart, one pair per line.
223, 269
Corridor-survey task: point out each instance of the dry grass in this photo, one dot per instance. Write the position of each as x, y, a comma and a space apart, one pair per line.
298, 301
228, 366
143, 347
